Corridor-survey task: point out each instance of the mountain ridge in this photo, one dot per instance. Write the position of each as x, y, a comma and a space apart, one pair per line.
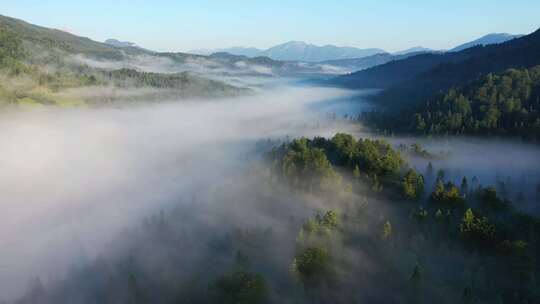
297, 51
395, 72
42, 66
414, 49
492, 38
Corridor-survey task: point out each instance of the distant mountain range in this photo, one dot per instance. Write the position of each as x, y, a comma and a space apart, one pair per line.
305, 52
460, 63
298, 51
236, 50
488, 39
416, 49
301, 51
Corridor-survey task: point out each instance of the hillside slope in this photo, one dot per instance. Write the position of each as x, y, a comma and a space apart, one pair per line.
433, 72
475, 63
506, 103
41, 66
36, 36
494, 38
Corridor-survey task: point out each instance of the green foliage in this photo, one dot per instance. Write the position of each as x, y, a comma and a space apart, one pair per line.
412, 185
306, 167
506, 104
489, 201
10, 47
321, 225
36, 63
134, 78
374, 157
330, 219
447, 195
516, 248
316, 238
387, 230
476, 230
439, 215
421, 215
11, 53
416, 150
335, 250
308, 164
356, 172
49, 40
240, 288
312, 265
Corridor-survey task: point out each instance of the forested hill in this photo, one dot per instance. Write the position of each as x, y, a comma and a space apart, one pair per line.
41, 66
518, 53
484, 90
502, 104
37, 38
507, 104
396, 71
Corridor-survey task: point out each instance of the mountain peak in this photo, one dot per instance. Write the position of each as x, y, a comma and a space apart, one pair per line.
302, 51
501, 35
298, 42
293, 44
493, 38
414, 49
118, 43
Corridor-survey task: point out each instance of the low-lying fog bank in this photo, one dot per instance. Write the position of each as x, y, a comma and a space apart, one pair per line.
71, 179
510, 166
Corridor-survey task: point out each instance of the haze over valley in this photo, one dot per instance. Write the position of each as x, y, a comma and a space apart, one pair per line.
298, 173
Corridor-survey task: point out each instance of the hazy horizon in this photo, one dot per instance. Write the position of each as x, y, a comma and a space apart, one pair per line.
214, 25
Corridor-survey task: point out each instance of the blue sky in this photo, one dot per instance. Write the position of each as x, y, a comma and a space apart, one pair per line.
168, 25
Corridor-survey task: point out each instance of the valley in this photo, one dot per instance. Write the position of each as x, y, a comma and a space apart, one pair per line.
296, 174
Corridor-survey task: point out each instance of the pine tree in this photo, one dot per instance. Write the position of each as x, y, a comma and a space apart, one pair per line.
466, 297
387, 230
464, 186
356, 172
439, 215
416, 276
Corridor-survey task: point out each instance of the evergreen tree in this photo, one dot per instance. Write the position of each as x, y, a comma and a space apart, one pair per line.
387, 230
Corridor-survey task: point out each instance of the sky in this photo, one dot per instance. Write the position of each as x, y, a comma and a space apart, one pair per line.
167, 25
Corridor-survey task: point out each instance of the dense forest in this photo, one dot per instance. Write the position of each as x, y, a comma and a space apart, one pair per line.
377, 236
483, 90
502, 104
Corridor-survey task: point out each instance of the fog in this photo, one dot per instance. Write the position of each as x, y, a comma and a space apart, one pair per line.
74, 180
233, 70
509, 165
71, 179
